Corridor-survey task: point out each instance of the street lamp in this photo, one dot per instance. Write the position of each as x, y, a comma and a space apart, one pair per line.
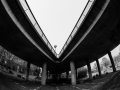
55, 46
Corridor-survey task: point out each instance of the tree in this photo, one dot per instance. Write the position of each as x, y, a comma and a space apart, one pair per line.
117, 60
105, 63
95, 68
82, 72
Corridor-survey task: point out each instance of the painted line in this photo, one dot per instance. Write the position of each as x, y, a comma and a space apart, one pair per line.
76, 87
16, 83
23, 86
57, 88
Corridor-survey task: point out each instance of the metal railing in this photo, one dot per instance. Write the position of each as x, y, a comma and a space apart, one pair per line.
78, 25
31, 17
35, 24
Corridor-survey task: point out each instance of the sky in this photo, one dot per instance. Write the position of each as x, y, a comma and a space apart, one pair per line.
57, 18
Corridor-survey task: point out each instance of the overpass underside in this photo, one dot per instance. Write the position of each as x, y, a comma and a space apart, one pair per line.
97, 36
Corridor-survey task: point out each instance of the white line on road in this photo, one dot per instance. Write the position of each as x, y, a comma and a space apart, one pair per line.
57, 88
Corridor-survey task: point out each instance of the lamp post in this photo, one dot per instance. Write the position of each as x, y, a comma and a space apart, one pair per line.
55, 46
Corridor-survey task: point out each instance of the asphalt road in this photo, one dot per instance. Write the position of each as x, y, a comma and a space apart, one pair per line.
106, 82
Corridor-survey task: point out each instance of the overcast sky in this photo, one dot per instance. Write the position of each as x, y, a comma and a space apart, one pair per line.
57, 18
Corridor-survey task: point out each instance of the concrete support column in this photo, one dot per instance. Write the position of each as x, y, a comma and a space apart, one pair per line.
67, 74
89, 70
27, 73
76, 73
112, 62
73, 73
44, 75
98, 65
47, 74
39, 72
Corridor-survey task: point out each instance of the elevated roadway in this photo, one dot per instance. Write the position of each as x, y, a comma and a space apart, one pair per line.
98, 35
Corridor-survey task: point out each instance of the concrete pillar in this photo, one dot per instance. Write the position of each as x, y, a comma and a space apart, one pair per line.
98, 65
47, 74
27, 73
76, 73
39, 71
112, 62
44, 75
73, 73
89, 70
67, 74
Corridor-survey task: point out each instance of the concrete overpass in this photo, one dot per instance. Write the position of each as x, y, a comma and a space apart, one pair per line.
97, 36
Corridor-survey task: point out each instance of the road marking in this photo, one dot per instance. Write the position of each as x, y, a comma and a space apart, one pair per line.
116, 77
38, 87
57, 88
16, 83
76, 87
23, 86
